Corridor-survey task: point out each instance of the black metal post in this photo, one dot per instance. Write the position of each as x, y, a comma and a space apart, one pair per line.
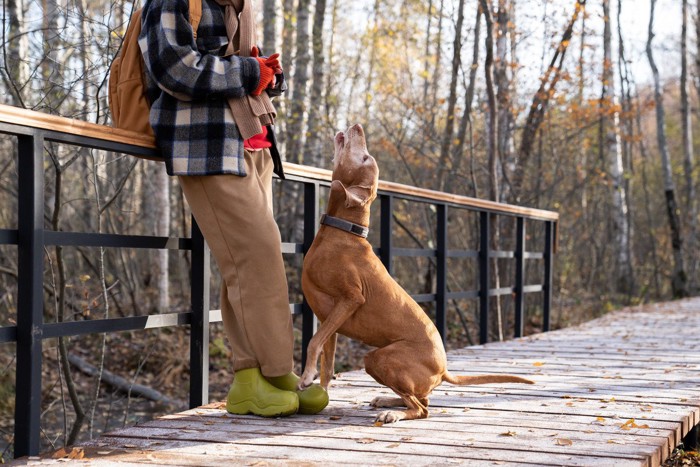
691, 441
199, 326
484, 273
30, 319
311, 216
385, 228
441, 283
547, 282
519, 277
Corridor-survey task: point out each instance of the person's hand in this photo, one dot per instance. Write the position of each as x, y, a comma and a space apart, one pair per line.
269, 67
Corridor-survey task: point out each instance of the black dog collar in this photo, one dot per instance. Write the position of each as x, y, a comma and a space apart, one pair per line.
355, 229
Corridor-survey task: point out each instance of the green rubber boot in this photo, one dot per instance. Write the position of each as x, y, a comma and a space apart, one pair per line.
251, 393
311, 400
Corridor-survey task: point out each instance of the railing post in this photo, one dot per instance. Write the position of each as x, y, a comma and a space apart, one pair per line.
199, 326
311, 215
519, 277
441, 282
484, 273
30, 292
547, 284
385, 228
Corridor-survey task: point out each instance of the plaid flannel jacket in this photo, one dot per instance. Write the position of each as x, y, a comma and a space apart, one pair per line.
188, 86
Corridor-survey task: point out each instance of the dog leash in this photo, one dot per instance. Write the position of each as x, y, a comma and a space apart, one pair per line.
355, 229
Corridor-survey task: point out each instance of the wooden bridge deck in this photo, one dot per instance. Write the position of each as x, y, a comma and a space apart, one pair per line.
621, 390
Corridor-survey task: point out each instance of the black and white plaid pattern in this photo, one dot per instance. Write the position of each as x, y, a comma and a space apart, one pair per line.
189, 84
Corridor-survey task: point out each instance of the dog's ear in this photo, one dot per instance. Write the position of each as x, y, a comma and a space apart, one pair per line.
356, 195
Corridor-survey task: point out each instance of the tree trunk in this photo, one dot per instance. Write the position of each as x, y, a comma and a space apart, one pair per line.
504, 143
447, 145
678, 279
313, 149
162, 190
466, 121
269, 44
688, 156
286, 56
15, 68
295, 129
540, 102
491, 97
611, 147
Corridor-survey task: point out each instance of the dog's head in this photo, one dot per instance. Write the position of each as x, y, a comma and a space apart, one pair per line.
355, 171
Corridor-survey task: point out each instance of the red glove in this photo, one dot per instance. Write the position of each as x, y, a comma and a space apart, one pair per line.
269, 67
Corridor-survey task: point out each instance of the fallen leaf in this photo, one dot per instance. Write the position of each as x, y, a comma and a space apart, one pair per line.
600, 419
563, 442
393, 445
629, 424
509, 433
613, 441
378, 423
537, 364
365, 441
320, 421
335, 417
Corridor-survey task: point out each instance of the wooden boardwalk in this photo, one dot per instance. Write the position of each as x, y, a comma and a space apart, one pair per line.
621, 390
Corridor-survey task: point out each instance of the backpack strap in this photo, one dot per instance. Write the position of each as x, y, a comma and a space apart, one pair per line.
195, 15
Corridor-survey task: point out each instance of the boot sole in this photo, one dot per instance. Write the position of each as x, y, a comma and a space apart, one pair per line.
248, 407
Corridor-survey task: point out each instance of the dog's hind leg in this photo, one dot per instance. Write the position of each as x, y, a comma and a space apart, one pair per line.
415, 409
387, 402
411, 379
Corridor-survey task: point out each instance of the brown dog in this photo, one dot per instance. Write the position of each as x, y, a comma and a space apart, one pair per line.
351, 293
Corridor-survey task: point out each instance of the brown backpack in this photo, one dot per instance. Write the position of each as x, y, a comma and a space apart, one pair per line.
127, 86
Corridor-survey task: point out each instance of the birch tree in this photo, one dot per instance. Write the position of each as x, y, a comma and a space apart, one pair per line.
610, 146
678, 276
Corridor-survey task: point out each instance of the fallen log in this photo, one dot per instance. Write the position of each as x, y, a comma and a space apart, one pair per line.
122, 384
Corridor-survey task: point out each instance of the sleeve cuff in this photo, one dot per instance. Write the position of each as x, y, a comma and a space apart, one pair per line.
250, 69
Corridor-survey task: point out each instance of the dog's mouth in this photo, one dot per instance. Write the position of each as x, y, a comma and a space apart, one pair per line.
351, 139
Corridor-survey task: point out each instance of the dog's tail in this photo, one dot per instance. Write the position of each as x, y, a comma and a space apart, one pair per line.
483, 379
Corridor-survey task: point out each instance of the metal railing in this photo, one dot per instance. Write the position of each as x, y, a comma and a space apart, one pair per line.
33, 130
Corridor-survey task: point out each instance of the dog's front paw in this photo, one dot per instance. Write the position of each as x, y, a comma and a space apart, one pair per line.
390, 416
306, 380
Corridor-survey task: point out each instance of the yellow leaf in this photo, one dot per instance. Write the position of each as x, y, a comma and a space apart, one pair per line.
537, 364
84, 278
378, 423
600, 419
564, 442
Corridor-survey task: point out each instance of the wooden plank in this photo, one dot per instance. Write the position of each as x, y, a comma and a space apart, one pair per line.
606, 394
380, 453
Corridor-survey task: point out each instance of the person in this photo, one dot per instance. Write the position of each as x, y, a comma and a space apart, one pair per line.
212, 118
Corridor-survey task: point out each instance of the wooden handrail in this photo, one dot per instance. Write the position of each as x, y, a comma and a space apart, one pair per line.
33, 119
